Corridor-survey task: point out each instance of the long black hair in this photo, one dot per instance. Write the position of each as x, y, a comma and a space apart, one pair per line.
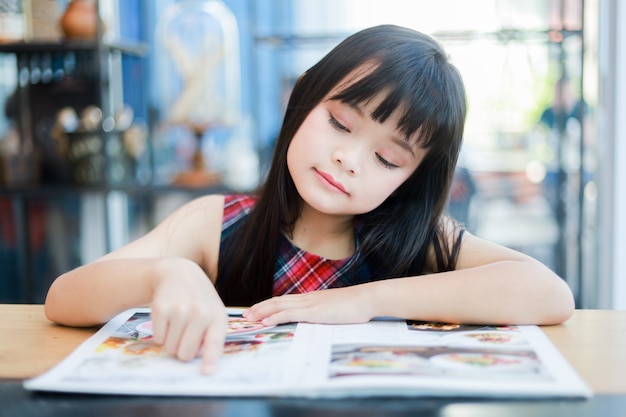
426, 89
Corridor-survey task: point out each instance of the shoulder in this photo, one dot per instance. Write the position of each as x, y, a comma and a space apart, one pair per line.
193, 231
210, 201
475, 251
214, 208
181, 227
198, 214
468, 250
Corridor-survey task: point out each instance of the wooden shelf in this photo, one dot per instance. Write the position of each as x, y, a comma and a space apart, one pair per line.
130, 48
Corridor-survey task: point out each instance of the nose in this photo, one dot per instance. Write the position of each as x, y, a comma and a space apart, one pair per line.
347, 159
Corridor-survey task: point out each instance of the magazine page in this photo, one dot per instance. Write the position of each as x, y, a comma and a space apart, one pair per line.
385, 357
410, 358
121, 358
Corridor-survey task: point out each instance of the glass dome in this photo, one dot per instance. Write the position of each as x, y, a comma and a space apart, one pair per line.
200, 87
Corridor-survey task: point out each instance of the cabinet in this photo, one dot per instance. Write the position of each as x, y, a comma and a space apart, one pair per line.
51, 77
50, 217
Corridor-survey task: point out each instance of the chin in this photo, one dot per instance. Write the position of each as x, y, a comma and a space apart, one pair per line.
327, 204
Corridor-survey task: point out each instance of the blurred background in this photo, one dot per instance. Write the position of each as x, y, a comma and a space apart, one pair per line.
118, 111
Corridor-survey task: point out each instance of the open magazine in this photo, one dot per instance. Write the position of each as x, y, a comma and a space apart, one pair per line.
385, 357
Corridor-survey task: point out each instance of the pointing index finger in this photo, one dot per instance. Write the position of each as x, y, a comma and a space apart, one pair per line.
213, 347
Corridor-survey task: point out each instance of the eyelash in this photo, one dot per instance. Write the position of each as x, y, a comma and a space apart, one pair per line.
337, 125
386, 163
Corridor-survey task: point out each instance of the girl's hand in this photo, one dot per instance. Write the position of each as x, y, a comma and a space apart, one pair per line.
337, 305
188, 316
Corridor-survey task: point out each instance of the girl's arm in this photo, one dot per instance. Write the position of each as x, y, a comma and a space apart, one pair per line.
491, 285
169, 268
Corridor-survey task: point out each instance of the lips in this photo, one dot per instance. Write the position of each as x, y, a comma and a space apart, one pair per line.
329, 181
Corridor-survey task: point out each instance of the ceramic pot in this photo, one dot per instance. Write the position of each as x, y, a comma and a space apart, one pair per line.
80, 19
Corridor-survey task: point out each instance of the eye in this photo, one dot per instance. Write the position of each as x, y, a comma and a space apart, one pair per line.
385, 163
337, 125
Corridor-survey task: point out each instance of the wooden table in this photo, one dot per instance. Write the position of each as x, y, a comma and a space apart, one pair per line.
30, 344
593, 341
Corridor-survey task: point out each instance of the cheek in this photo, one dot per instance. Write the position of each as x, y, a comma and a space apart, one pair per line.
381, 186
301, 134
298, 155
295, 151
306, 140
292, 159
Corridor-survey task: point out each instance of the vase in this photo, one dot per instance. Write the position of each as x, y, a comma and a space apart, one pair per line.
80, 20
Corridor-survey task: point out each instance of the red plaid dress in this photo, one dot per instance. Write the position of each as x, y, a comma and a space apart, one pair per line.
297, 271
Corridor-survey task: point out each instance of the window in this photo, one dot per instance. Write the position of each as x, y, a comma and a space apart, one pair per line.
528, 157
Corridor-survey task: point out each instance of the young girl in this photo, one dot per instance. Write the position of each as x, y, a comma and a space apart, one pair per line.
348, 226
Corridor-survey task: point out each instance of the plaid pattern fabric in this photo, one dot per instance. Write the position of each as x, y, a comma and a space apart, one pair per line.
297, 271
236, 208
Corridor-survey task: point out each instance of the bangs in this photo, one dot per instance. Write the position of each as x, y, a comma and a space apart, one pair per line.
415, 94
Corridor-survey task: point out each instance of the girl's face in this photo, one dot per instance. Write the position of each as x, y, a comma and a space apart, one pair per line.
343, 162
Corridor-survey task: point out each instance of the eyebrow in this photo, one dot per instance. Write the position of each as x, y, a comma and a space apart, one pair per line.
403, 143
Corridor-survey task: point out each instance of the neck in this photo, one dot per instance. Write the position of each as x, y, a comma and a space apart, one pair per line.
328, 236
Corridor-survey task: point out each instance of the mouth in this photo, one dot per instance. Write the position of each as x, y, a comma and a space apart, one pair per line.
330, 182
